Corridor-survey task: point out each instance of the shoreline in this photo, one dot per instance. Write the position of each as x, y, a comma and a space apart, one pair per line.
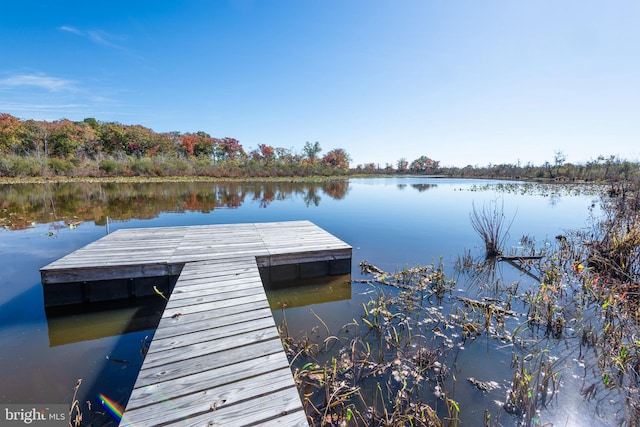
312, 178
129, 179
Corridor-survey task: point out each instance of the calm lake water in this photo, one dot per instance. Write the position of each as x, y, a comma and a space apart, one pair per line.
391, 222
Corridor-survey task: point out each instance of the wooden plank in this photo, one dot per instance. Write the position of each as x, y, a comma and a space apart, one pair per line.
68, 275
219, 278
207, 347
282, 402
204, 379
220, 406
221, 298
188, 340
226, 295
175, 315
227, 287
206, 255
187, 306
269, 351
288, 420
176, 329
218, 265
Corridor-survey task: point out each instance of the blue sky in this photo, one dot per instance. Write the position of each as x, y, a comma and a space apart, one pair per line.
463, 82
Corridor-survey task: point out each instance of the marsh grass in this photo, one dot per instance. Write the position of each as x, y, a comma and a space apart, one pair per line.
89, 416
533, 385
490, 224
383, 368
578, 311
75, 413
587, 300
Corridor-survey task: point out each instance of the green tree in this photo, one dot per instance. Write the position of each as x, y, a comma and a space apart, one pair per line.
93, 123
311, 151
35, 137
89, 138
65, 138
138, 140
113, 138
558, 159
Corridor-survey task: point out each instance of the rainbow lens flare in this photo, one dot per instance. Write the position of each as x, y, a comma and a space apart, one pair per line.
112, 407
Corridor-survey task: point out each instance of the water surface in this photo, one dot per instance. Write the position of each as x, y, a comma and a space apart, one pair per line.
391, 222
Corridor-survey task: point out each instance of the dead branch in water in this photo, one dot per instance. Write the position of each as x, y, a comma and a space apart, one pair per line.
486, 306
421, 277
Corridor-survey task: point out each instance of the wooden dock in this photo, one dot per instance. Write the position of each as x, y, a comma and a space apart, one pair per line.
216, 357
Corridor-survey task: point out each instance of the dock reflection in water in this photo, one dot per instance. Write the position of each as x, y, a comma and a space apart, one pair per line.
301, 293
84, 322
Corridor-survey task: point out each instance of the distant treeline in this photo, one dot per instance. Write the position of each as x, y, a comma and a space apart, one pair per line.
92, 148
609, 169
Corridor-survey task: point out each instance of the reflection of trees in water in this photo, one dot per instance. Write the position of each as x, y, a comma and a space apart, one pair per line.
336, 189
21, 205
420, 187
423, 187
311, 197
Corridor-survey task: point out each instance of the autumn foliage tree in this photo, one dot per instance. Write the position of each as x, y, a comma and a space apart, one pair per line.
199, 144
114, 148
264, 153
337, 158
9, 133
424, 164
402, 165
65, 139
229, 149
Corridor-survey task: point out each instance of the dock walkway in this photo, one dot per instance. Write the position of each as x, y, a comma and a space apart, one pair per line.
216, 357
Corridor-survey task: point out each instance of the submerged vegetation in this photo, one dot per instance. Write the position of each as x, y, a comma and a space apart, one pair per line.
374, 370
569, 326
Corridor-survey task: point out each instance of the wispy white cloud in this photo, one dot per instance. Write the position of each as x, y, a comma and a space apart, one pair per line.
98, 36
42, 97
102, 37
49, 83
70, 29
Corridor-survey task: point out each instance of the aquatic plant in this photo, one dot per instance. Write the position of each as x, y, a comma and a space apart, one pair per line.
396, 363
380, 367
533, 384
75, 413
490, 224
